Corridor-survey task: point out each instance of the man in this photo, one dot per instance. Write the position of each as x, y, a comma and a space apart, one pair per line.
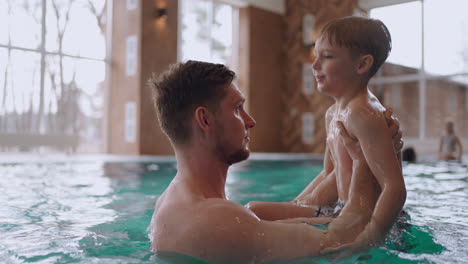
202, 112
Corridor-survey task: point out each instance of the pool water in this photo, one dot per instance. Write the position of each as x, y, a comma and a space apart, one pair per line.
99, 211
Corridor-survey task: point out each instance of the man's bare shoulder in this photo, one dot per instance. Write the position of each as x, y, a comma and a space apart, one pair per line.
221, 212
211, 226
206, 213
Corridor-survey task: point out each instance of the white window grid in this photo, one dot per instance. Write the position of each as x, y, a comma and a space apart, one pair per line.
422, 76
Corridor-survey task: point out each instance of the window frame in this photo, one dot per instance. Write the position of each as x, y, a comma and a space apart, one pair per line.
422, 76
43, 53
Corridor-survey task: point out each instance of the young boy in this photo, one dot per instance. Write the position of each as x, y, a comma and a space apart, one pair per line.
349, 51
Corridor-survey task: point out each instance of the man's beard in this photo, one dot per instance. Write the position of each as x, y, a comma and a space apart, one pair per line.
230, 157
238, 156
227, 154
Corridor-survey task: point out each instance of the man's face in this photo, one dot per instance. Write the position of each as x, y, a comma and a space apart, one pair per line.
232, 124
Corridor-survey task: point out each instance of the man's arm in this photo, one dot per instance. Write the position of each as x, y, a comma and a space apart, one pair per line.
225, 232
321, 191
273, 211
376, 142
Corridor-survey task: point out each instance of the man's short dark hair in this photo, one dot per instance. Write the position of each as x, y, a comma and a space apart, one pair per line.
183, 87
362, 36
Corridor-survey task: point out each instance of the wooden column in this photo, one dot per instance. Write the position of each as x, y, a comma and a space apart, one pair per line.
261, 78
156, 46
294, 99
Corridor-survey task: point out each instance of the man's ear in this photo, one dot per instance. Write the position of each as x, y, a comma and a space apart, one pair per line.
365, 63
203, 118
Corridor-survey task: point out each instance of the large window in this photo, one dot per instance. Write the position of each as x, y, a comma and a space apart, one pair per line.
425, 78
405, 31
206, 30
52, 72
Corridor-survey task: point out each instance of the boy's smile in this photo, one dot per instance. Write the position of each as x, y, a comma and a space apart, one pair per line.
334, 68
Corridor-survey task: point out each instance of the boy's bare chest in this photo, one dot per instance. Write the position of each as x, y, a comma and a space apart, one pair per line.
342, 161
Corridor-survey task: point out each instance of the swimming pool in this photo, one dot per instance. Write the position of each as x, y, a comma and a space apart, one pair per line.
98, 210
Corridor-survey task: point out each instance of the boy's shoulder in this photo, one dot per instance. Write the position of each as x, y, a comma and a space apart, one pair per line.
365, 116
363, 109
364, 106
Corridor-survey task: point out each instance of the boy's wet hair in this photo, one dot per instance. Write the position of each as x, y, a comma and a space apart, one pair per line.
362, 36
178, 91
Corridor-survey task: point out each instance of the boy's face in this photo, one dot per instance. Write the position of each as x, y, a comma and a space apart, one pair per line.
232, 125
334, 68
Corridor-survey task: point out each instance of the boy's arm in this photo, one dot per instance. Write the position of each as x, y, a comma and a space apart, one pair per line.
376, 142
325, 178
325, 193
322, 190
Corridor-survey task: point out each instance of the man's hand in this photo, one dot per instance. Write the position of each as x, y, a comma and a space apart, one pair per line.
394, 125
352, 145
370, 237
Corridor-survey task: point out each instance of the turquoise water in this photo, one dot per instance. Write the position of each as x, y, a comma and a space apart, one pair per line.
98, 212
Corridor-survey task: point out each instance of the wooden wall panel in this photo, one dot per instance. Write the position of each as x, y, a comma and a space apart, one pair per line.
295, 101
261, 75
270, 73
159, 49
123, 88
